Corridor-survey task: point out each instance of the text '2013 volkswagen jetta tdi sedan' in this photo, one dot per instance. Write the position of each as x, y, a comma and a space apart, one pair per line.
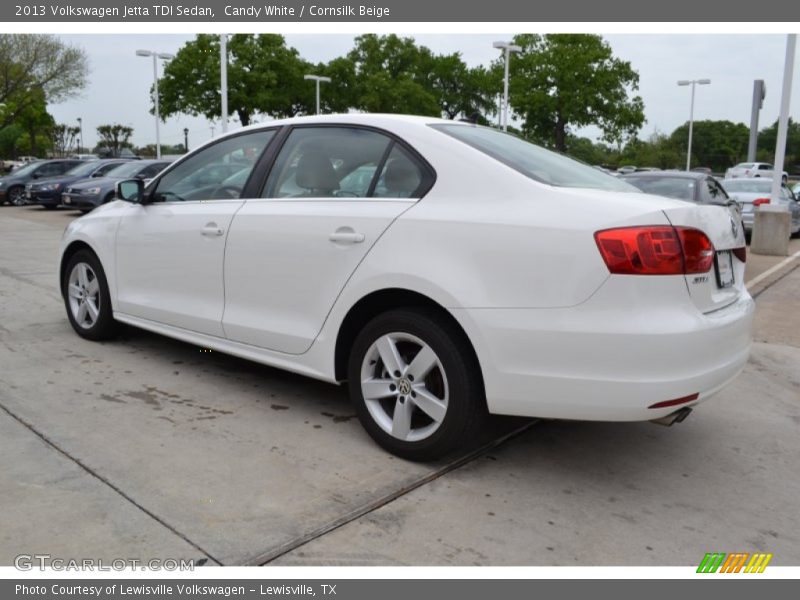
443, 269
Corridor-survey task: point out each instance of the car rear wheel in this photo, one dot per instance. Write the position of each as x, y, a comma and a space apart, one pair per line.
16, 196
415, 384
87, 299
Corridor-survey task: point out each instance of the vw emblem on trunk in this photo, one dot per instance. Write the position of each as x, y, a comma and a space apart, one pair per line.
734, 227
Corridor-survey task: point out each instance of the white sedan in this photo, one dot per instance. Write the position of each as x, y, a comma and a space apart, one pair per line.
442, 269
752, 170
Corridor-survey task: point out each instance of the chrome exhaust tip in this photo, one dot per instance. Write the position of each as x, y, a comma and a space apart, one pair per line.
677, 417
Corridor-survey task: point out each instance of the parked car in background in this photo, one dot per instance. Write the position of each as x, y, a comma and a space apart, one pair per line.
47, 192
796, 191
699, 188
755, 169
646, 169
12, 186
755, 191
624, 170
705, 170
473, 272
86, 195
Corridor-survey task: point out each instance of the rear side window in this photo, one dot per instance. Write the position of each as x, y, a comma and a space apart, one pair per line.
532, 160
346, 163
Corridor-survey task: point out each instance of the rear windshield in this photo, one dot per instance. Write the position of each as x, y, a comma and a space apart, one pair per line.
532, 160
680, 188
755, 186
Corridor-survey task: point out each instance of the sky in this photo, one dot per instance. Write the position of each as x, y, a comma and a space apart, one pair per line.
119, 81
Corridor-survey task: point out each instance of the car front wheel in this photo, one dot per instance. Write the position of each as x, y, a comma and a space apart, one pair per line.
86, 297
415, 384
16, 196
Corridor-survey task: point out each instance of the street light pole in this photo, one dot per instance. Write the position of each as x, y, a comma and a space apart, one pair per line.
317, 79
156, 56
508, 48
692, 82
186, 139
80, 139
223, 79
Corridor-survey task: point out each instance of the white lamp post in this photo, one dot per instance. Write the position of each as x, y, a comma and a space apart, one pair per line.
318, 79
692, 82
156, 56
508, 48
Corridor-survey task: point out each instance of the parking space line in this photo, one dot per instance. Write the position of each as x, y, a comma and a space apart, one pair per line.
102, 479
271, 555
771, 270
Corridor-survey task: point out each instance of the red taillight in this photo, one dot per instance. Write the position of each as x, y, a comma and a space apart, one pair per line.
655, 250
741, 253
760, 201
698, 251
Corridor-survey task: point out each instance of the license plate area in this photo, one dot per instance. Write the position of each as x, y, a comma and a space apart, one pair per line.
723, 265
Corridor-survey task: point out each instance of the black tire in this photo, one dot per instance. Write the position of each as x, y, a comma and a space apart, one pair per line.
16, 195
466, 404
109, 197
104, 326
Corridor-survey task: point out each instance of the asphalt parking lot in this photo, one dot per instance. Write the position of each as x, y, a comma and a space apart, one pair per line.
146, 447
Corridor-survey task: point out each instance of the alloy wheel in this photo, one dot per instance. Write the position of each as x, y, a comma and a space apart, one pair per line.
404, 386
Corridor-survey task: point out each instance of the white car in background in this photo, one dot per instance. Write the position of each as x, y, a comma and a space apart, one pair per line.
444, 270
754, 169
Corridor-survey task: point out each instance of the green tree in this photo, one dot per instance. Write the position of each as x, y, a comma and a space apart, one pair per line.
36, 68
390, 76
113, 138
768, 138
559, 82
35, 124
458, 89
715, 144
264, 77
64, 139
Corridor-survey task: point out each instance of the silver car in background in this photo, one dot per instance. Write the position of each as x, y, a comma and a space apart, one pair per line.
753, 192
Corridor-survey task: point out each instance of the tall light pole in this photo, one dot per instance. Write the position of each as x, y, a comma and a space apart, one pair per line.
186, 139
508, 48
693, 83
223, 80
156, 56
80, 139
318, 79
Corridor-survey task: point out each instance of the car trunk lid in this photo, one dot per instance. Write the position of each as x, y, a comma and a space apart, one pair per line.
724, 283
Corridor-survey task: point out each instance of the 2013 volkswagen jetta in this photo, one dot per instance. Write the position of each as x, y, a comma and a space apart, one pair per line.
441, 268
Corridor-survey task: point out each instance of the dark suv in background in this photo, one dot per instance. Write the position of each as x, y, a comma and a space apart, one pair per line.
12, 187
47, 192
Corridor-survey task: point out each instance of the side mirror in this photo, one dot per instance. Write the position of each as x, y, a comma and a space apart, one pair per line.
131, 190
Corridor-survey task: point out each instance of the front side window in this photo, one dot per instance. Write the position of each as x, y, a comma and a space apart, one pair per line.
765, 167
328, 162
534, 161
206, 174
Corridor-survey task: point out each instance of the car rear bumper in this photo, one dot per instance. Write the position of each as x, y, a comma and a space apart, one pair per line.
605, 361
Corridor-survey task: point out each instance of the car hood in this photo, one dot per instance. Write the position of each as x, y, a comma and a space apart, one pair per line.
103, 182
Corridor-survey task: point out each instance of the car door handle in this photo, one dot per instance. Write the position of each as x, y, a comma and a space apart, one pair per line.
346, 237
212, 230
